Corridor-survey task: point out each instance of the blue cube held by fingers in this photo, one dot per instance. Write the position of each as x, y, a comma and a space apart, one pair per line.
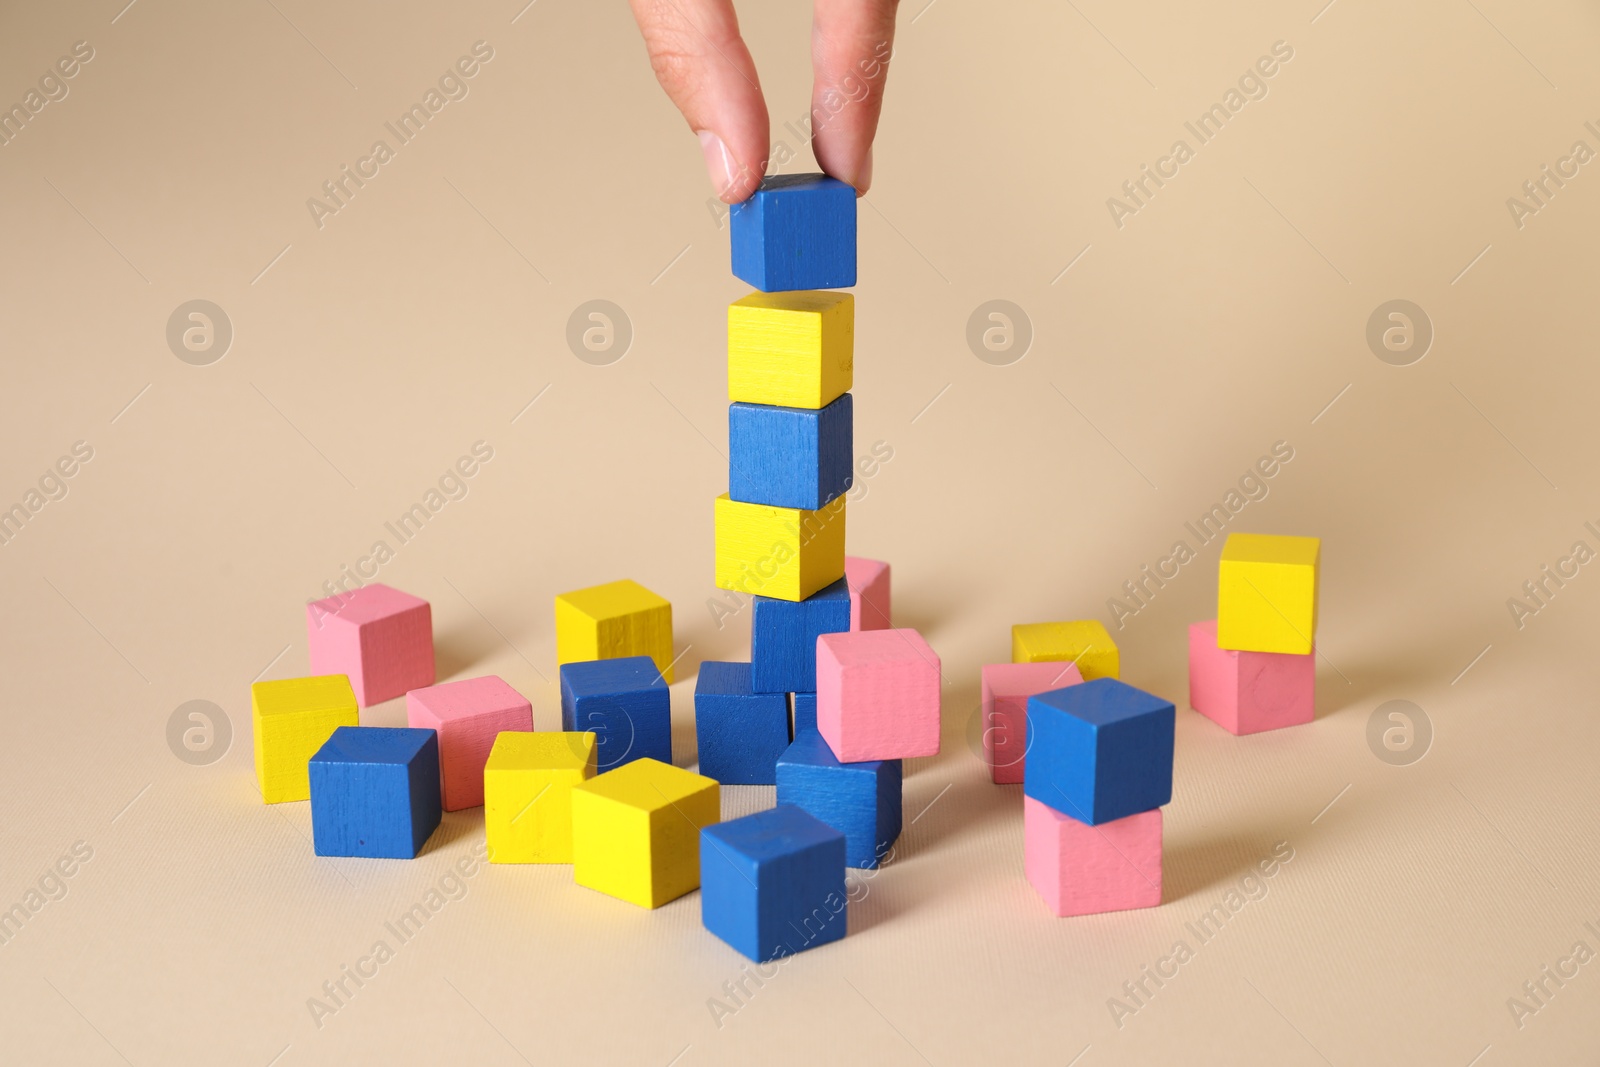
860, 800
772, 884
625, 701
783, 637
797, 231
789, 457
741, 733
1099, 751
374, 792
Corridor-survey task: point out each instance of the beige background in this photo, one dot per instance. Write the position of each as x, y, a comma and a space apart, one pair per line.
1227, 315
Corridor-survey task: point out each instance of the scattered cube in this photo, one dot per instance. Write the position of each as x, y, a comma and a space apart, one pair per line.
772, 884
636, 831
1085, 870
1099, 750
467, 715
527, 794
1006, 689
1267, 593
860, 800
614, 620
1249, 692
741, 732
784, 553
878, 695
791, 350
797, 231
789, 457
783, 637
381, 638
624, 702
1085, 642
374, 792
868, 580
290, 719
803, 714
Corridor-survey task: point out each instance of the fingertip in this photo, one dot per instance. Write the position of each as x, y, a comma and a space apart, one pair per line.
837, 163
863, 180
731, 180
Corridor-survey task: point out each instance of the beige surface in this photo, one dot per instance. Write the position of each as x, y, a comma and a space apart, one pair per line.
1223, 317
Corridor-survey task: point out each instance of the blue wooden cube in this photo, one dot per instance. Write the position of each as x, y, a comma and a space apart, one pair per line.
783, 637
1099, 750
772, 884
789, 457
374, 792
625, 701
804, 717
797, 231
741, 732
860, 800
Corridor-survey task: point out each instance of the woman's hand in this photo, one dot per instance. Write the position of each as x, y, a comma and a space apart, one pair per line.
703, 64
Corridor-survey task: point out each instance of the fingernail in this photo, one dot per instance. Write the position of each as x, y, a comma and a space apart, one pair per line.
864, 176
719, 161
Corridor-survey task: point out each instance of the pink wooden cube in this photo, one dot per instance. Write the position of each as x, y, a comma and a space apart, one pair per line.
467, 715
877, 695
1082, 870
1248, 692
1006, 689
379, 637
868, 580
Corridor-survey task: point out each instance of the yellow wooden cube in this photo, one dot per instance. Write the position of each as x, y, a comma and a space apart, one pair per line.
617, 619
783, 553
636, 831
1267, 593
527, 794
1084, 642
290, 719
793, 350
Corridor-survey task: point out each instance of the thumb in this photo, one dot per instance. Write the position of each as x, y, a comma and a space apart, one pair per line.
703, 64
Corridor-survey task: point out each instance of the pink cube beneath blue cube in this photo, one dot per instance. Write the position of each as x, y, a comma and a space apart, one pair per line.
1084, 870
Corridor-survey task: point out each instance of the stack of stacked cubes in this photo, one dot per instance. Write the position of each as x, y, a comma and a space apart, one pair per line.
633, 819
833, 698
1094, 756
1253, 667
